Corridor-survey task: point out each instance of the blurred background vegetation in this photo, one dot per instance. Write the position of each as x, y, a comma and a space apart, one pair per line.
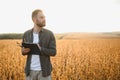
69, 35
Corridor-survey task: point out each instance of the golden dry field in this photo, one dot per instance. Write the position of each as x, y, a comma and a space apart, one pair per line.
81, 59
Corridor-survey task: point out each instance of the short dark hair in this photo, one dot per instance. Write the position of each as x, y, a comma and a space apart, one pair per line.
35, 12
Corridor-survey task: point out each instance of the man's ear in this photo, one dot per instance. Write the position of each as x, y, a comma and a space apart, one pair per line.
34, 19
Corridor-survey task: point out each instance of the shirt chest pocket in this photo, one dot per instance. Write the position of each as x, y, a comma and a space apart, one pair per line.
44, 43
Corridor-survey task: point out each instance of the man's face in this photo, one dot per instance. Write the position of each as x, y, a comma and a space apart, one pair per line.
40, 20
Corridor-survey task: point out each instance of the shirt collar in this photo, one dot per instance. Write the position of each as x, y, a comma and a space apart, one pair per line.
40, 31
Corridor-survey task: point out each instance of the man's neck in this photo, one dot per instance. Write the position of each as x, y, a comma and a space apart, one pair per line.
36, 29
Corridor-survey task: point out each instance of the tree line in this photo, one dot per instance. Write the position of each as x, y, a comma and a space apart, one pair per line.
11, 36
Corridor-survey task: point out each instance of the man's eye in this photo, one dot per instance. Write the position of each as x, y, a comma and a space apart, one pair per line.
42, 17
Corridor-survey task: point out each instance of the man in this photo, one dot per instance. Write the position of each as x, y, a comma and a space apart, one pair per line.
38, 66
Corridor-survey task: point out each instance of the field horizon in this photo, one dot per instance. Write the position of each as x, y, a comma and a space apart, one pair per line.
68, 35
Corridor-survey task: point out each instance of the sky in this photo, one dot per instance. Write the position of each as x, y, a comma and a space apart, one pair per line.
61, 15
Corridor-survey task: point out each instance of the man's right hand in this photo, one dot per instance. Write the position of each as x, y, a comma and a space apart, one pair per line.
25, 51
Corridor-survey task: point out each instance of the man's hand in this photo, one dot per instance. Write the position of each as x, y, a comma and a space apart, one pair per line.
25, 51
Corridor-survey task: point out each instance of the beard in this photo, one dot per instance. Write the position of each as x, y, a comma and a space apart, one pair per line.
40, 24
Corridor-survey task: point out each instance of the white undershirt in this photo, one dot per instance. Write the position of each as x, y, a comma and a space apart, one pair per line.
35, 60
